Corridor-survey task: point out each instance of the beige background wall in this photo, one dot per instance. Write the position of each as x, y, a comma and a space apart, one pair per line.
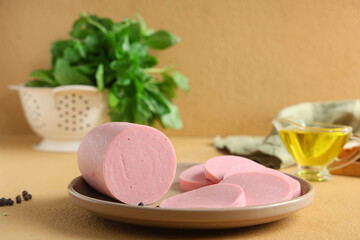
245, 59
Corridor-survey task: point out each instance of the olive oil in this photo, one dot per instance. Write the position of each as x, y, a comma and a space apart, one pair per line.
313, 148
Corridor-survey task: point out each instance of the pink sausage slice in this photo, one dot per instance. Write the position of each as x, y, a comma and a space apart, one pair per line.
212, 196
240, 168
129, 162
216, 167
193, 177
261, 188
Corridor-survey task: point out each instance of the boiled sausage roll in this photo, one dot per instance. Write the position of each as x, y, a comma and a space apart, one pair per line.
129, 162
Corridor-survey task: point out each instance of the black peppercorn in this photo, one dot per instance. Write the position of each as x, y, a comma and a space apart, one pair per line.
141, 204
24, 193
26, 197
18, 199
30, 196
2, 202
9, 202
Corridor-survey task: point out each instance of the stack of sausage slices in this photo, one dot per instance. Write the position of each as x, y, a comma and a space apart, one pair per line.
232, 181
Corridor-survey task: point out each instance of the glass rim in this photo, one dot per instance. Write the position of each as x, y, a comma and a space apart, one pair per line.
314, 125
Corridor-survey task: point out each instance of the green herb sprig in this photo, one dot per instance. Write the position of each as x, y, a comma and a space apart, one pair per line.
115, 56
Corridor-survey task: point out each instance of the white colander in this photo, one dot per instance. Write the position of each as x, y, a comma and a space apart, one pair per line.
63, 115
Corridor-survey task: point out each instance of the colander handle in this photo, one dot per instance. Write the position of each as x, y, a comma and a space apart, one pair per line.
75, 88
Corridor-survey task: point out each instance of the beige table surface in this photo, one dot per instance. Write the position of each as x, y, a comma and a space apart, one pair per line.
335, 213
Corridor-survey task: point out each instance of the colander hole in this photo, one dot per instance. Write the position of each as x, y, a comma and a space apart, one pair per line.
74, 116
73, 101
59, 125
81, 128
59, 108
87, 108
85, 115
66, 105
37, 107
80, 97
80, 120
88, 125
61, 101
86, 101
66, 97
34, 101
80, 112
73, 109
60, 115
74, 129
73, 95
74, 122
66, 113
66, 120
66, 128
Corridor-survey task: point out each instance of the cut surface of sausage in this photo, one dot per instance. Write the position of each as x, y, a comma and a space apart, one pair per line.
129, 162
212, 196
216, 167
240, 168
193, 177
261, 188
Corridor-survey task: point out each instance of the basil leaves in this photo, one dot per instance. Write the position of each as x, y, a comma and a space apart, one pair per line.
114, 56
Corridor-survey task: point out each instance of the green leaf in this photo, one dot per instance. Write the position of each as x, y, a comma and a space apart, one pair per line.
107, 23
125, 46
139, 49
80, 29
120, 66
148, 61
99, 76
66, 75
124, 111
113, 98
134, 32
44, 75
142, 112
161, 40
167, 86
181, 80
37, 83
172, 119
71, 50
87, 69
92, 43
58, 47
123, 80
71, 55
109, 45
157, 103
130, 90
139, 86
79, 47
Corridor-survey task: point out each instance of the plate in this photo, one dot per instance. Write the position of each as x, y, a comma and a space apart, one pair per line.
86, 197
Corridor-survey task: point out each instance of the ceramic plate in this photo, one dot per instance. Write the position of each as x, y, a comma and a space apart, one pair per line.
86, 197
